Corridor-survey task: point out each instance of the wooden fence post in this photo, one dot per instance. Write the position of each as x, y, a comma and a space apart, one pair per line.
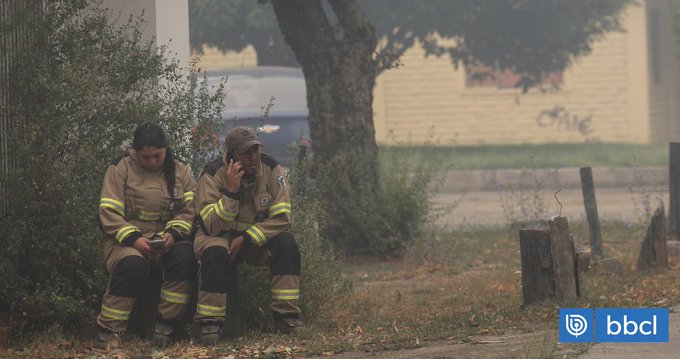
537, 272
653, 253
563, 257
550, 266
674, 191
588, 187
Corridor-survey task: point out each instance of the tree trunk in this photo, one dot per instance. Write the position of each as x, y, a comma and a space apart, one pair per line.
340, 74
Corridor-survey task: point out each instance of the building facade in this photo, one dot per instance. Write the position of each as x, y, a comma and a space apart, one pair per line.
624, 91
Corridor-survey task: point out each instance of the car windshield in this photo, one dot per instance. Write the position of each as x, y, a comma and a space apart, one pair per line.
249, 91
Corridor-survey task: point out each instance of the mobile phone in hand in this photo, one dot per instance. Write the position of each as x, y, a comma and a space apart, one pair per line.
156, 243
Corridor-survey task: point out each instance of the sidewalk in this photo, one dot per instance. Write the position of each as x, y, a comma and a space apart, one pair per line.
486, 197
565, 178
642, 350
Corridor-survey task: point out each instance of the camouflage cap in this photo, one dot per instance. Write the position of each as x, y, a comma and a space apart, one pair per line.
241, 138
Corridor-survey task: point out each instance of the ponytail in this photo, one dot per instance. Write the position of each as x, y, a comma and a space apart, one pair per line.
169, 168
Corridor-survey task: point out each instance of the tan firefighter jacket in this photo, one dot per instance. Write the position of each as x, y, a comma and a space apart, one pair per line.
136, 202
261, 209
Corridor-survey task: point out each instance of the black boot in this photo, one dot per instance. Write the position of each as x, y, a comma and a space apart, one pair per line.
105, 340
163, 333
286, 323
210, 333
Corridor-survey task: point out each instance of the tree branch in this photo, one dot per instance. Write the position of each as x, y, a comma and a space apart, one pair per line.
354, 22
303, 23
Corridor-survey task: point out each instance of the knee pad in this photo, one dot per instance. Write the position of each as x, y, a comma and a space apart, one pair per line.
216, 270
285, 255
129, 277
179, 264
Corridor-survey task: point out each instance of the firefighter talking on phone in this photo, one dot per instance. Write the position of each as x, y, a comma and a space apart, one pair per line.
146, 211
243, 204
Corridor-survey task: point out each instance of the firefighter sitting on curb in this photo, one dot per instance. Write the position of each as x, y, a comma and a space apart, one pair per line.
146, 211
244, 211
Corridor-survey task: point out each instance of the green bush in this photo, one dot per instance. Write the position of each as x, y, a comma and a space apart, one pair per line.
383, 217
78, 91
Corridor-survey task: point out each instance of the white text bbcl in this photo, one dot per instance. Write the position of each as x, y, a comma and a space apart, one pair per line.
631, 327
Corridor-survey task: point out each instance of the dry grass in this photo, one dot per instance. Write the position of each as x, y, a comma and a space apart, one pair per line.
456, 287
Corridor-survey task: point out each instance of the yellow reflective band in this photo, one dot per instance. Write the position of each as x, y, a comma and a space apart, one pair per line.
174, 297
112, 201
188, 196
205, 212
115, 314
149, 216
285, 291
223, 213
113, 204
279, 208
256, 234
280, 205
179, 223
286, 294
124, 232
210, 311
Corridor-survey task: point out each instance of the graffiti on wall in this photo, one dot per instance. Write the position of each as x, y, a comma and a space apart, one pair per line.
561, 119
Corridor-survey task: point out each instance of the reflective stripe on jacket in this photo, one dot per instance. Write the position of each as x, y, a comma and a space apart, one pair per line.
261, 209
135, 202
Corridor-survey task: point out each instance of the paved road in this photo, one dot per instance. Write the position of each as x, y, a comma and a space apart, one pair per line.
642, 350
497, 196
498, 207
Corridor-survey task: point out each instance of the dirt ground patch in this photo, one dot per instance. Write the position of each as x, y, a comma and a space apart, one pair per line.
530, 345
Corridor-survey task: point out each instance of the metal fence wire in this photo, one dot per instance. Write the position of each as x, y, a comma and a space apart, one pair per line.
16, 33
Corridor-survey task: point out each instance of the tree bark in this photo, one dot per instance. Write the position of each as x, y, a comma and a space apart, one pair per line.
340, 75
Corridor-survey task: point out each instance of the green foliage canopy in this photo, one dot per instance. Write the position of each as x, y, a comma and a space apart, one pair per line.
532, 37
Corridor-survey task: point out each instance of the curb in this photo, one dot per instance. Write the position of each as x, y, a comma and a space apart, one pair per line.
552, 178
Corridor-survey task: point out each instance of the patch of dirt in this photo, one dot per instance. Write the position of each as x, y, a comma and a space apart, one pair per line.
528, 345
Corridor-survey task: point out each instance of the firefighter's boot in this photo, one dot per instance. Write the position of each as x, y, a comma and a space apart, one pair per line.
163, 333
210, 333
286, 325
105, 340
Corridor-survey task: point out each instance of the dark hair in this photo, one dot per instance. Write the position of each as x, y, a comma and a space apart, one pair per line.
151, 134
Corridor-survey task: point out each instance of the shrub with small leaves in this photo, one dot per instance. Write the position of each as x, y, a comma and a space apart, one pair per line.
79, 86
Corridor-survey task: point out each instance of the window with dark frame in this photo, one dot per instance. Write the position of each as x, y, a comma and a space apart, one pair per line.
481, 76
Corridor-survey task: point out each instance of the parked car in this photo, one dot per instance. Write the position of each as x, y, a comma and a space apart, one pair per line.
251, 90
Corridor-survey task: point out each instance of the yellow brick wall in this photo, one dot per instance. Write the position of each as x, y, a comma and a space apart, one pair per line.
426, 100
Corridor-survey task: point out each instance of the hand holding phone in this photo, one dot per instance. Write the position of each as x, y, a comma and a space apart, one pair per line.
234, 173
156, 243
